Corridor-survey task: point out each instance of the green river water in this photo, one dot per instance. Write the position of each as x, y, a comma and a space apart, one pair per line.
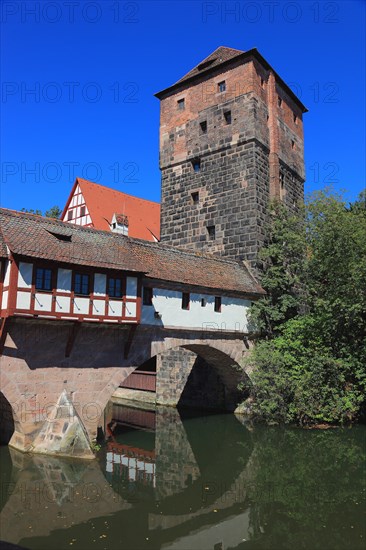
191, 482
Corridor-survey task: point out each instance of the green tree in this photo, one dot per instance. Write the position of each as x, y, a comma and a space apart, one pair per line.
31, 211
313, 367
53, 212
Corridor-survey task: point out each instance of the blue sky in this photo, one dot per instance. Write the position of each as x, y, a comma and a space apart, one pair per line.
94, 68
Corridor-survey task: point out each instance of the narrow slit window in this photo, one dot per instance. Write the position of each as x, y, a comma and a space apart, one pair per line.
195, 197
211, 232
262, 82
181, 104
282, 180
203, 127
221, 86
227, 116
185, 300
69, 215
218, 304
81, 285
196, 165
292, 144
279, 101
43, 279
147, 296
203, 302
295, 119
82, 211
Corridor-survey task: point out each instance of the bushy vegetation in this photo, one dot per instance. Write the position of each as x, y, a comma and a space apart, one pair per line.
310, 365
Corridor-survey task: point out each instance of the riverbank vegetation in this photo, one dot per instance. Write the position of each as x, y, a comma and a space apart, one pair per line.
309, 367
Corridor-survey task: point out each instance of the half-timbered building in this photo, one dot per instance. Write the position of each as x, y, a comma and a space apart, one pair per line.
60, 271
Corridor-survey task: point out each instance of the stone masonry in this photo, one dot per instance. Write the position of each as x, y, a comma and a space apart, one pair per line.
225, 154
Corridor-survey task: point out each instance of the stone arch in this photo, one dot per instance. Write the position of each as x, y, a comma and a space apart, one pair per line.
223, 354
205, 377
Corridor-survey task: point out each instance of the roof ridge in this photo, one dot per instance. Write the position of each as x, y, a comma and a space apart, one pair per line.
110, 234
116, 190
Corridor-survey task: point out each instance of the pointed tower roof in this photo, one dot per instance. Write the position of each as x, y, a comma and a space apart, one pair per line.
222, 59
221, 54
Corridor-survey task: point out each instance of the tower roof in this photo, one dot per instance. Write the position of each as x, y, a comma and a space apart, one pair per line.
221, 54
222, 58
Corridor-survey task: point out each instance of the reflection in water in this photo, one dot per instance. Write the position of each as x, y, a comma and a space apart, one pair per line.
161, 481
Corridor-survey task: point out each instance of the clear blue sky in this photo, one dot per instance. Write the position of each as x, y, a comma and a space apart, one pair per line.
95, 67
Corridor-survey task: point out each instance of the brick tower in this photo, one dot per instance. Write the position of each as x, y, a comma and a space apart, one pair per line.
231, 138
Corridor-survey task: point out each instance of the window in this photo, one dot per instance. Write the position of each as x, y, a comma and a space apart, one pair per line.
221, 86
211, 232
147, 296
43, 279
196, 165
195, 197
185, 300
292, 144
295, 119
282, 180
203, 127
218, 304
227, 116
262, 82
279, 101
181, 104
69, 215
203, 302
82, 211
81, 284
115, 288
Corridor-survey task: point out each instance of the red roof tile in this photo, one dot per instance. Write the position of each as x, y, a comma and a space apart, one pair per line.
102, 202
37, 237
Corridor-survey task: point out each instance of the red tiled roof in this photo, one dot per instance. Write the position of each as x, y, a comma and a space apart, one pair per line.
46, 238
102, 202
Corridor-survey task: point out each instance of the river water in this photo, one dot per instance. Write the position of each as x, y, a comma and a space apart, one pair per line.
170, 480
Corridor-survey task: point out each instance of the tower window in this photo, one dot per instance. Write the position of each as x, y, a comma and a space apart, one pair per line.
195, 197
147, 296
218, 304
69, 215
185, 300
295, 119
292, 144
262, 82
181, 104
227, 116
221, 86
196, 165
203, 127
211, 232
82, 211
282, 180
279, 101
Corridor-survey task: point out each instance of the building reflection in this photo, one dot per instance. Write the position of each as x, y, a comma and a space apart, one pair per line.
159, 478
